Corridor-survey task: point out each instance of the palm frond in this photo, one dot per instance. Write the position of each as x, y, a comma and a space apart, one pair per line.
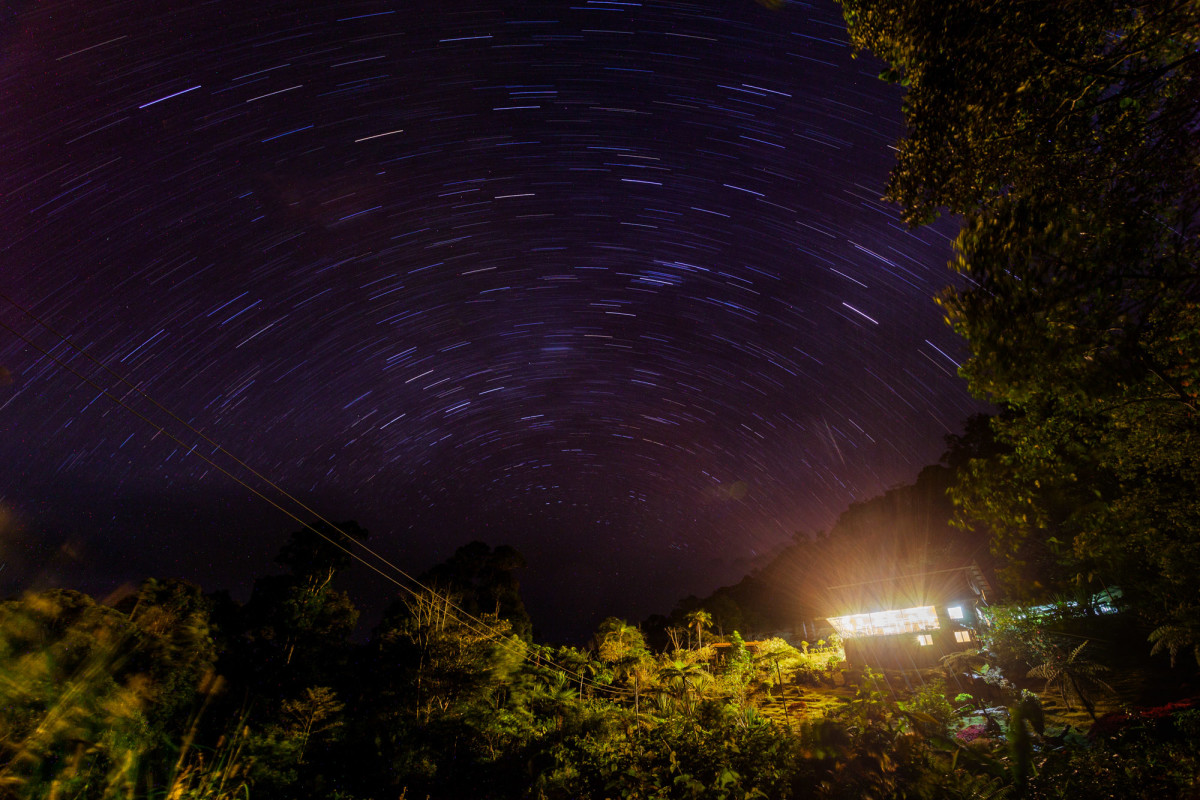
1175, 638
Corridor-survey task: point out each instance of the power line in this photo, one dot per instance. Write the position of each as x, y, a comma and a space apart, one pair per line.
473, 623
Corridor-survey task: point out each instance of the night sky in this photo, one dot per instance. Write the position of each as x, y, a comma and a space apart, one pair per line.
609, 282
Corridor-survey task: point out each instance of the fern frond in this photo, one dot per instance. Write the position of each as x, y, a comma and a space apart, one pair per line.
1174, 638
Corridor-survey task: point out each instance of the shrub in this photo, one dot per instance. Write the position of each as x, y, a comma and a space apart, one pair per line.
931, 701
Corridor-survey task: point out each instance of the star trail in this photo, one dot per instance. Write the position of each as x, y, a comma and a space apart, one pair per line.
610, 282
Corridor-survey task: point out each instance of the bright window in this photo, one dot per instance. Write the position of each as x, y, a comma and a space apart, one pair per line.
955, 612
883, 623
962, 636
925, 639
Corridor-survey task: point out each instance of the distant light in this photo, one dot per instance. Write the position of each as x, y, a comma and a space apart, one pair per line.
884, 623
925, 639
962, 636
955, 612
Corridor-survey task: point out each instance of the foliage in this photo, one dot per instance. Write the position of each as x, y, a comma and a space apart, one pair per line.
930, 701
89, 695
1064, 136
1152, 753
999, 94
736, 673
450, 662
1075, 678
446, 707
729, 758
104, 702
70, 714
684, 682
1016, 638
776, 663
295, 626
617, 640
485, 582
219, 773
968, 662
317, 711
699, 620
1175, 637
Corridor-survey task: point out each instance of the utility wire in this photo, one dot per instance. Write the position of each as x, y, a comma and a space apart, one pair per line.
218, 447
473, 623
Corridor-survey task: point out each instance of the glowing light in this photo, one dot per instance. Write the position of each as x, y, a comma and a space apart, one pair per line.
883, 623
955, 612
962, 636
925, 639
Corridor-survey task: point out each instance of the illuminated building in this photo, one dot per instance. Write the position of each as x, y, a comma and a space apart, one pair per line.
911, 620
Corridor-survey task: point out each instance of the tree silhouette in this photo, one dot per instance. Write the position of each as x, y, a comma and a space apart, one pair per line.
1064, 136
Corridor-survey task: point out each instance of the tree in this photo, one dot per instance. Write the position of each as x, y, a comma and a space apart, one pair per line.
700, 620
728, 615
175, 645
622, 645
556, 697
443, 683
1064, 135
448, 661
485, 582
683, 680
1002, 95
315, 554
295, 627
316, 711
615, 639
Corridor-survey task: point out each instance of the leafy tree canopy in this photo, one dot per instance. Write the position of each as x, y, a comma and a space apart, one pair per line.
296, 625
1064, 134
485, 580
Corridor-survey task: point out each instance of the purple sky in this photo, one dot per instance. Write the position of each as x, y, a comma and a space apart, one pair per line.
609, 282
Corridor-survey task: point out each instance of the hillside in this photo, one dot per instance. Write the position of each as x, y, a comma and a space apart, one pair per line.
904, 531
